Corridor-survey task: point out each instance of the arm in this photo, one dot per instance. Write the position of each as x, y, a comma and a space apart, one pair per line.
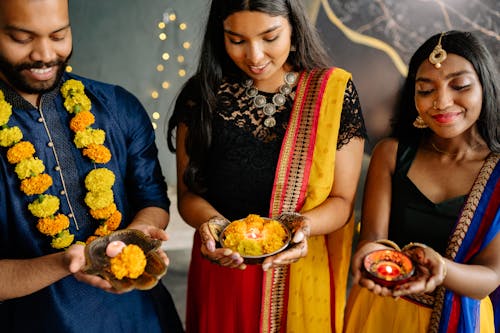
483, 273
376, 208
196, 211
336, 210
23, 277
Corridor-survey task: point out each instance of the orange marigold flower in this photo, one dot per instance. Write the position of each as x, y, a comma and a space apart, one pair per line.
130, 263
102, 231
20, 151
36, 184
90, 239
97, 153
81, 121
103, 213
52, 226
114, 221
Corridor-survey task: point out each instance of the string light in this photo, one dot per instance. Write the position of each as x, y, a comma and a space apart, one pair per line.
168, 31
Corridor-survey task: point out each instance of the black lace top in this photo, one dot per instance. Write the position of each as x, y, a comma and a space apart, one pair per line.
244, 153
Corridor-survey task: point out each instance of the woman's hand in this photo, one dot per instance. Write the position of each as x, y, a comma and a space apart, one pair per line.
430, 270
359, 276
209, 233
299, 227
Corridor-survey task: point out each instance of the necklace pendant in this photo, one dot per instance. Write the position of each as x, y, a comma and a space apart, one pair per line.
251, 92
291, 78
269, 109
259, 101
279, 99
270, 122
285, 89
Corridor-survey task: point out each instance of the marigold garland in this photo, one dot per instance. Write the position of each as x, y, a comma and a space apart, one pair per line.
34, 182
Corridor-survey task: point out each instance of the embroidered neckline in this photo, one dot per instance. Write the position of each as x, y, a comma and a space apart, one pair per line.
35, 182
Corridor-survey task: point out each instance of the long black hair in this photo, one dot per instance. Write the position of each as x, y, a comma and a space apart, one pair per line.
215, 64
470, 47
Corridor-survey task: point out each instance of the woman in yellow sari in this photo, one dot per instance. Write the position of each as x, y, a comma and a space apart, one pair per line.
436, 182
267, 127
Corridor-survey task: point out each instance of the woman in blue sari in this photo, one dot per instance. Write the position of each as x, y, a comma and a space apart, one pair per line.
436, 182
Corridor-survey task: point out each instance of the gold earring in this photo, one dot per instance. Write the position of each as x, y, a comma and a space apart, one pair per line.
419, 123
438, 55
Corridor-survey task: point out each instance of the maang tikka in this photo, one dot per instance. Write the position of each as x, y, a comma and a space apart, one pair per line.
438, 55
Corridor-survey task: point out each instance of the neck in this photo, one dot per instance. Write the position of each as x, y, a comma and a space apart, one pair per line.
453, 150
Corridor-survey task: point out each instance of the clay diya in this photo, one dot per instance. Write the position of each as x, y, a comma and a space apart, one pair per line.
388, 267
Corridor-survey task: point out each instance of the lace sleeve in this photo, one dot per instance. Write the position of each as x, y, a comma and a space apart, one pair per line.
352, 124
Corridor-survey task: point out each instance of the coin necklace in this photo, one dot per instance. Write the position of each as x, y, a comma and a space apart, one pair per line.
278, 99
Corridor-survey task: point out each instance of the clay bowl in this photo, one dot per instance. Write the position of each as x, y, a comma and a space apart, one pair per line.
258, 259
388, 267
98, 263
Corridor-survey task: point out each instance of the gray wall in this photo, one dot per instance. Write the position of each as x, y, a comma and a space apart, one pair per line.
117, 41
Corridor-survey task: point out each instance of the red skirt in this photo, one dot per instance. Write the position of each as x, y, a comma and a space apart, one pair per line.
220, 299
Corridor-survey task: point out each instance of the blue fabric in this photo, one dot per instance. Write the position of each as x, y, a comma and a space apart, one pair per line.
469, 312
68, 305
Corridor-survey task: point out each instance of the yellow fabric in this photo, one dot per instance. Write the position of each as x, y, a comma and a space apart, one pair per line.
309, 304
369, 313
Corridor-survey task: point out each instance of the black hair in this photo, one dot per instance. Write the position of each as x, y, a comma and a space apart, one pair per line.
215, 64
471, 48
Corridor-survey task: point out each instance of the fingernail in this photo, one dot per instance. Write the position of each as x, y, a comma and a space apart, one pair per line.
235, 256
265, 267
227, 252
298, 237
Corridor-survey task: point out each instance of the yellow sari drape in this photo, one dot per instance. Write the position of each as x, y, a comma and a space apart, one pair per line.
317, 283
310, 305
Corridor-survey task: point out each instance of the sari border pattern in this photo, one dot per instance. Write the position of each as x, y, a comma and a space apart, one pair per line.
460, 232
290, 185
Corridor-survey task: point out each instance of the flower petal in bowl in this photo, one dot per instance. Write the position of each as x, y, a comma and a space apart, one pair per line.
247, 239
98, 263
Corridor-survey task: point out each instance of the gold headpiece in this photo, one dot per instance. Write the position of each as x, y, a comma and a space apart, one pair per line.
438, 55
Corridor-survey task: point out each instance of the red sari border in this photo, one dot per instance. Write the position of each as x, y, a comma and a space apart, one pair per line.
290, 185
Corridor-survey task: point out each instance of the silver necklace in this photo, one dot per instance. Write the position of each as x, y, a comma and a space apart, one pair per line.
278, 99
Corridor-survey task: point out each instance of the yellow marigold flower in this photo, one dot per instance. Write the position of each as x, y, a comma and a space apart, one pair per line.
5, 111
81, 121
100, 179
62, 240
77, 103
71, 87
267, 236
97, 153
29, 167
20, 151
102, 231
10, 136
103, 213
2, 96
52, 226
37, 184
90, 239
130, 263
97, 200
44, 206
88, 136
114, 221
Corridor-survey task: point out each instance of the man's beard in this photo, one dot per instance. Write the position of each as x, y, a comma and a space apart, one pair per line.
15, 78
